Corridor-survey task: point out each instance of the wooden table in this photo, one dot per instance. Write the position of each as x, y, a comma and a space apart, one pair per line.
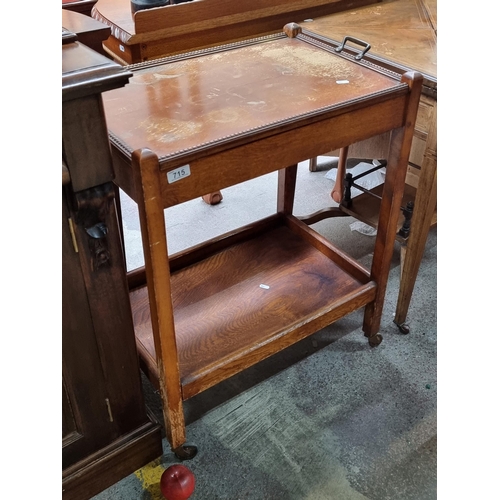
172, 29
402, 35
221, 116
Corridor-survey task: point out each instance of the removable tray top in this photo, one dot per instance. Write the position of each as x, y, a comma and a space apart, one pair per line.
216, 96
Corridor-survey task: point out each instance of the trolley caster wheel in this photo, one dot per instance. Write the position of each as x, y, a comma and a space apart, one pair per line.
375, 340
403, 328
186, 452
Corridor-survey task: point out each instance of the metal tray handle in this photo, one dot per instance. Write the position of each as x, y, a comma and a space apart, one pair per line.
357, 41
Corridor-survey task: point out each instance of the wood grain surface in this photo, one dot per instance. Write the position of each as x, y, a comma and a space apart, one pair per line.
241, 299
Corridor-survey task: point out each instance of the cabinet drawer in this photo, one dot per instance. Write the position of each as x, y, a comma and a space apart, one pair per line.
424, 114
419, 145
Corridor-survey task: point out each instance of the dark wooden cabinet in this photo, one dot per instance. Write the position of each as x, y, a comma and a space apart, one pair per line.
106, 430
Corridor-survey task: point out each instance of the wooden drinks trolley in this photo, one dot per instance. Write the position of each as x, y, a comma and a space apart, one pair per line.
221, 116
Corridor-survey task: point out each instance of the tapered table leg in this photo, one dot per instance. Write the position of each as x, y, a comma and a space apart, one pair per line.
423, 212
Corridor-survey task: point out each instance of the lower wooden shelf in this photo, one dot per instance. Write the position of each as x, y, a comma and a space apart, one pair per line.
259, 290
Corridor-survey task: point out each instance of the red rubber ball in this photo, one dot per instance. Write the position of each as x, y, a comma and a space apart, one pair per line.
177, 482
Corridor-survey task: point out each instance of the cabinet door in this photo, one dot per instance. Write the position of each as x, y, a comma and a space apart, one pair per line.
84, 395
104, 399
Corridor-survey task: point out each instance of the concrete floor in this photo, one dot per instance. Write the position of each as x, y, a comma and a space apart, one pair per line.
328, 418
